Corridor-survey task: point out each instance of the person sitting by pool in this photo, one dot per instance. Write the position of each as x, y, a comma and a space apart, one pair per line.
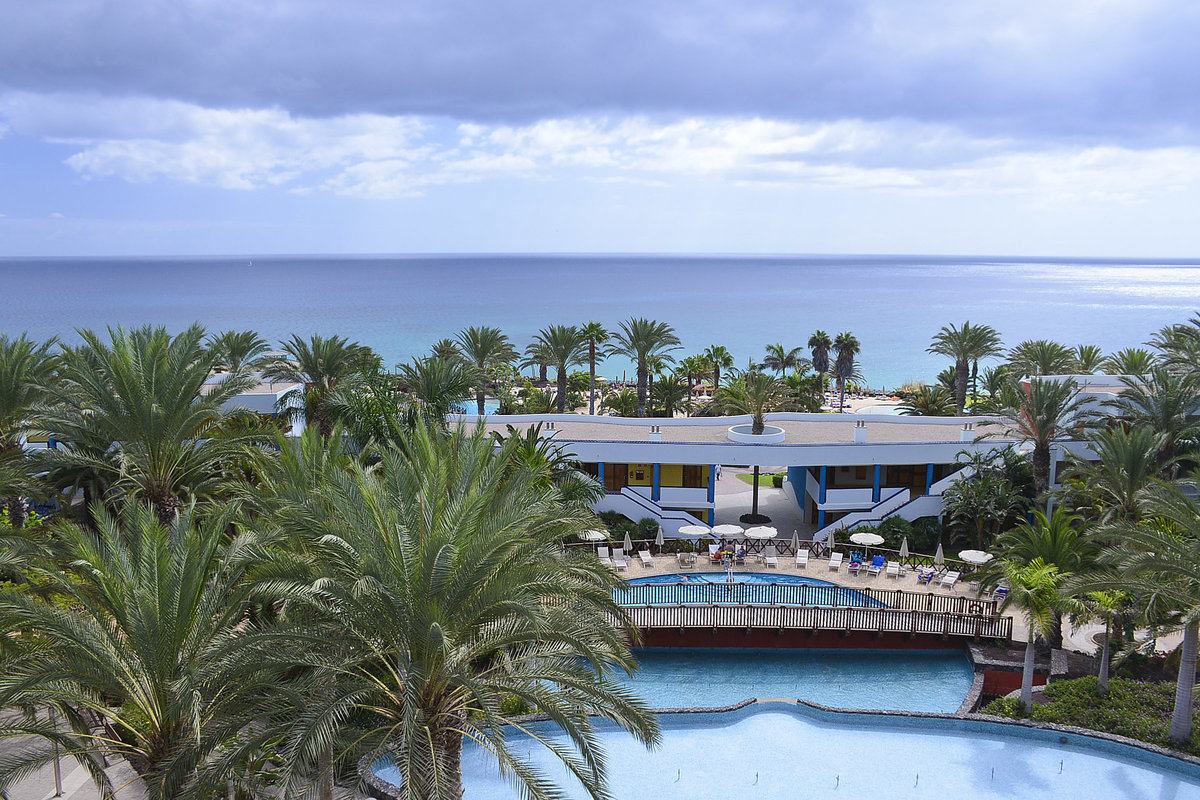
925, 575
740, 555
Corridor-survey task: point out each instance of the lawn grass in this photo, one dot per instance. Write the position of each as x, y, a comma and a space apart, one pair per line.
1137, 709
764, 478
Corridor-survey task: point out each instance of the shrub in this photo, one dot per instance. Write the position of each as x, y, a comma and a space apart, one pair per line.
646, 528
513, 706
777, 481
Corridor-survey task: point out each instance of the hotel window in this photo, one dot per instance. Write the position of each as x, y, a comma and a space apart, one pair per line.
693, 476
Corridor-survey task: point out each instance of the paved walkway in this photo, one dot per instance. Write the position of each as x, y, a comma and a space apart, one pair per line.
736, 497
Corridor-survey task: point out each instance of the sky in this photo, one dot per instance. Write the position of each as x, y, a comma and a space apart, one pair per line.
162, 127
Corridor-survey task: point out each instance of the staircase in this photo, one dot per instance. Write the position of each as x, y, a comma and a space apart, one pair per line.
636, 506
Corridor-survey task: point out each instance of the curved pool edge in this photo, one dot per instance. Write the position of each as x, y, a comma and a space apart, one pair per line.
1147, 753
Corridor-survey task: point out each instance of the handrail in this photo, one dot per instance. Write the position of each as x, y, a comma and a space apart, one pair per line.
706, 593
863, 619
653, 509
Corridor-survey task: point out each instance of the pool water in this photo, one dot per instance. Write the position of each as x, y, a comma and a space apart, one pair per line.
714, 588
773, 751
490, 406
892, 680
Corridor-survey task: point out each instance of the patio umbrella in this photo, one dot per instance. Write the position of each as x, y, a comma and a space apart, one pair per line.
795, 542
628, 543
727, 530
904, 548
829, 541
593, 536
658, 539
939, 557
762, 532
867, 539
975, 556
695, 530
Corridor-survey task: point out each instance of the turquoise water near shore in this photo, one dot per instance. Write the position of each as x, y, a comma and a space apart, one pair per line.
400, 305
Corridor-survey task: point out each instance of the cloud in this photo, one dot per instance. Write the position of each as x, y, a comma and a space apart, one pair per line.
378, 156
1105, 71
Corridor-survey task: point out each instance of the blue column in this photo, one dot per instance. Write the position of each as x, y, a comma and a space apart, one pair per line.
712, 516
798, 478
878, 479
600, 474
51, 443
654, 486
821, 497
928, 478
712, 483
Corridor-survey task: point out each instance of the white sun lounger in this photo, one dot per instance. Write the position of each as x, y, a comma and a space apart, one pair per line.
647, 559
618, 558
602, 552
949, 579
686, 560
893, 569
802, 558
770, 558
835, 562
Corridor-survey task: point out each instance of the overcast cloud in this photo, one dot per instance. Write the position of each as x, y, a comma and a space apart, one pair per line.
1048, 104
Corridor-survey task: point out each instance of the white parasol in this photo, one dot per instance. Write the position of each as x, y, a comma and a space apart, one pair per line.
975, 556
695, 530
727, 530
795, 541
904, 548
939, 557
658, 539
593, 536
762, 532
628, 543
866, 539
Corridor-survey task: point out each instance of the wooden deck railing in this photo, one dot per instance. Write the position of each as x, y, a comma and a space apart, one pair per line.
798, 594
862, 619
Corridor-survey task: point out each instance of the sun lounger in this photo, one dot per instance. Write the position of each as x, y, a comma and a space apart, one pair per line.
893, 569
802, 558
1000, 592
685, 560
618, 558
714, 553
877, 565
647, 559
769, 556
835, 562
949, 579
602, 552
926, 575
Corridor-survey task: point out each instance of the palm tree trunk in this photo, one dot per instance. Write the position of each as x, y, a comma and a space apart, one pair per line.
1104, 657
560, 402
716, 377
841, 394
641, 389
592, 375
1027, 675
325, 774
479, 400
1041, 468
754, 503
960, 387
542, 369
1185, 686
974, 382
18, 511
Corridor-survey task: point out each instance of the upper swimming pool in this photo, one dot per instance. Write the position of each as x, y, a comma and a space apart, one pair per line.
714, 588
773, 751
468, 406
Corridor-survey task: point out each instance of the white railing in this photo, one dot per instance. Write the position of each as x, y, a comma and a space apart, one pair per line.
887, 503
635, 506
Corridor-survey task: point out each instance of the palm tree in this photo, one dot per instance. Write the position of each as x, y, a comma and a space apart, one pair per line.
238, 351
1110, 483
26, 368
319, 363
1039, 414
447, 350
928, 401
1057, 540
779, 358
1088, 358
436, 384
449, 592
1109, 607
718, 359
1180, 344
638, 340
966, 345
536, 355
983, 505
1157, 562
820, 344
595, 336
845, 348
155, 647
756, 394
669, 393
1130, 361
564, 346
135, 416
1165, 401
1041, 357
1033, 589
486, 348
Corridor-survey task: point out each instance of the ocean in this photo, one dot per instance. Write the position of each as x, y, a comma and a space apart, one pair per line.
400, 305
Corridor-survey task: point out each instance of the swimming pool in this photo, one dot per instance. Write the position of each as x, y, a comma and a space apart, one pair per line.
773, 751
893, 680
713, 588
490, 406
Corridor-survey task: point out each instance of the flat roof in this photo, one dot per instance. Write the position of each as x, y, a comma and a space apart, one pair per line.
809, 429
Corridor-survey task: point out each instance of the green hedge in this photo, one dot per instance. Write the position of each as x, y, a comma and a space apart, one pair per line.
1136, 709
